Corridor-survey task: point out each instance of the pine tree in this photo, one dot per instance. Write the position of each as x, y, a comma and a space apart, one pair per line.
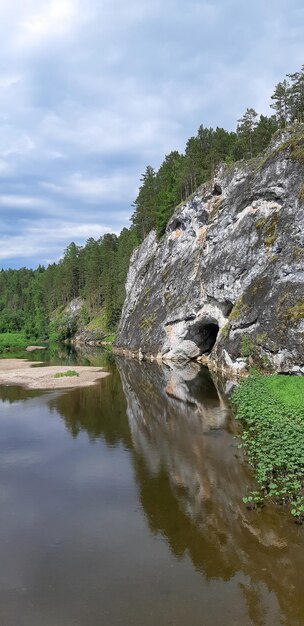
296, 92
144, 217
245, 130
281, 103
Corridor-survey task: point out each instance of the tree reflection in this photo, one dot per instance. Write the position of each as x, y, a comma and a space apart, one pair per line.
191, 478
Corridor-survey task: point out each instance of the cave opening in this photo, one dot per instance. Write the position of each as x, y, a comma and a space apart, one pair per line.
204, 334
177, 224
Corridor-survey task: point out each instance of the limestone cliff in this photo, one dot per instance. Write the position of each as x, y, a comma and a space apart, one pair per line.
227, 278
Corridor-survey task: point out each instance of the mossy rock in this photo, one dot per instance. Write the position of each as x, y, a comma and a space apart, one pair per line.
239, 310
295, 313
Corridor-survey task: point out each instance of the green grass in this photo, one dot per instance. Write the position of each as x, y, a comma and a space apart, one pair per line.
271, 410
99, 322
110, 338
68, 373
14, 340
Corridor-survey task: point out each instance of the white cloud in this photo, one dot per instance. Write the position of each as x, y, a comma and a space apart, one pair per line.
24, 202
12, 143
6, 168
114, 188
9, 80
48, 239
94, 90
55, 20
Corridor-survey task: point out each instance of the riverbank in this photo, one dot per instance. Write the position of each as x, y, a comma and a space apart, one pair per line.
22, 372
16, 340
271, 410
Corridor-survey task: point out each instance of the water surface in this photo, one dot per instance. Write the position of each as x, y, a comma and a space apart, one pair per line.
121, 504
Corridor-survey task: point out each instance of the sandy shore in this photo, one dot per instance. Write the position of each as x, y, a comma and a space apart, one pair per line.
21, 372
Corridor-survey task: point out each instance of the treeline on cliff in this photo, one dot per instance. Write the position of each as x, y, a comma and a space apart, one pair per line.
97, 271
180, 174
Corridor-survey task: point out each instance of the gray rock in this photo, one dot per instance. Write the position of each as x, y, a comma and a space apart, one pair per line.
227, 278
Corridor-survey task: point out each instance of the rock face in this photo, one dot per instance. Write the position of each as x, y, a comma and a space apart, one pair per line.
227, 278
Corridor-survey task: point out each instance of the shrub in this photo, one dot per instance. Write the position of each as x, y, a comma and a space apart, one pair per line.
68, 373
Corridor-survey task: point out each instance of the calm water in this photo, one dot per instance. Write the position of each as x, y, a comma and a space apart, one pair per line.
121, 505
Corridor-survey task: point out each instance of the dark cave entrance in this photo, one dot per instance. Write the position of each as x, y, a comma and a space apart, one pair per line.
204, 334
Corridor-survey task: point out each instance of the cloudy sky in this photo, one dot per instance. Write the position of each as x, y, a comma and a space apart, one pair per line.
91, 91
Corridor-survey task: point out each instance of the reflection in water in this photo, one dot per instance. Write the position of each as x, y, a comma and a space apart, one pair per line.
191, 482
17, 394
147, 461
100, 411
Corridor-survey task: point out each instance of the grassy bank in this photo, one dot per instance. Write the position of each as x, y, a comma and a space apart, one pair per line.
271, 410
10, 341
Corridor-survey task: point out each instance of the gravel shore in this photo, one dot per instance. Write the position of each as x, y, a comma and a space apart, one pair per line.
21, 372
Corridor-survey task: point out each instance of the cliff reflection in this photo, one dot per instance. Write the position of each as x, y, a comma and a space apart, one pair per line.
191, 479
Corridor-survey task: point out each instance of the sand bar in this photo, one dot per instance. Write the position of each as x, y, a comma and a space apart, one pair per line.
21, 372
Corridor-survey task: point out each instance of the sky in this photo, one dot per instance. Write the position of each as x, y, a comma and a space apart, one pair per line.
92, 91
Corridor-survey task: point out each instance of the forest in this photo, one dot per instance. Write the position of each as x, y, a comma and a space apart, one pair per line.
97, 271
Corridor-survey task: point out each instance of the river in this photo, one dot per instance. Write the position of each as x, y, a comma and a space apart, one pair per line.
121, 504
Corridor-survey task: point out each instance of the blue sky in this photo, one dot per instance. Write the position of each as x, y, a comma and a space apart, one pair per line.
91, 91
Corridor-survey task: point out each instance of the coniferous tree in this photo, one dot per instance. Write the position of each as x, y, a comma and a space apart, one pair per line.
296, 96
144, 217
245, 130
281, 101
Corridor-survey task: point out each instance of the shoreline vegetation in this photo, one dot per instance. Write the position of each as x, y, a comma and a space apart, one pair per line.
270, 409
16, 340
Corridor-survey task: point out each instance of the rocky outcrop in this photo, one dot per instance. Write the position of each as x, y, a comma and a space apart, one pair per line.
227, 278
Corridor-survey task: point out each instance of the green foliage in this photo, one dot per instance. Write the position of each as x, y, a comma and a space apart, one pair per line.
68, 373
34, 301
62, 327
301, 195
253, 500
298, 509
271, 411
98, 322
245, 130
288, 99
109, 338
14, 340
